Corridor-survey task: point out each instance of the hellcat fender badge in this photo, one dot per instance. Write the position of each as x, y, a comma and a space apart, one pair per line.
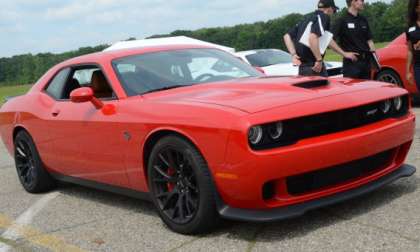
127, 136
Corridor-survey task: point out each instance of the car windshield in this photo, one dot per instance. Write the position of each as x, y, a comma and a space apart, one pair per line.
268, 57
151, 72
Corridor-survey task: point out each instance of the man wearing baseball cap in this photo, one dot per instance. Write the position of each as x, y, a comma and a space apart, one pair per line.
309, 59
327, 4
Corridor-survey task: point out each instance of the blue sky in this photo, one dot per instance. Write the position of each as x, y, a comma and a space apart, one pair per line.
33, 26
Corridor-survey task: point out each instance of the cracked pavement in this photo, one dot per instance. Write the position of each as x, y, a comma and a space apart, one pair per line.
385, 220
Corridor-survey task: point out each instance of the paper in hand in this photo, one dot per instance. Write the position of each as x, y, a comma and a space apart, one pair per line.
324, 40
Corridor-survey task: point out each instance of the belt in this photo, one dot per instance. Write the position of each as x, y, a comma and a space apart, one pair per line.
308, 64
364, 55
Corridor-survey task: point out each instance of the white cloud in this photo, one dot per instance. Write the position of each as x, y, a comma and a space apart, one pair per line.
107, 17
67, 12
56, 26
8, 15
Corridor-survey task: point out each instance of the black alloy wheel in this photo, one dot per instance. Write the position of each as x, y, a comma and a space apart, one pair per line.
181, 186
32, 175
25, 163
175, 185
389, 76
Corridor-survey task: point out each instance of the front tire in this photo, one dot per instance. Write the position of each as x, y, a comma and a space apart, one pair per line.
31, 172
181, 186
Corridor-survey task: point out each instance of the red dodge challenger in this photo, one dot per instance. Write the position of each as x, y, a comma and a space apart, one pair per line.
393, 60
205, 136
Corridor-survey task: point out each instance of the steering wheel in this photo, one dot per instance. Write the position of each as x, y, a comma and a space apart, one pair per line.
204, 76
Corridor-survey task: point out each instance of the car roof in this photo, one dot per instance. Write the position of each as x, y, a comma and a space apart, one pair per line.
177, 40
110, 55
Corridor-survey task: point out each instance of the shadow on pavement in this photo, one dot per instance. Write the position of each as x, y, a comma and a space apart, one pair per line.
108, 198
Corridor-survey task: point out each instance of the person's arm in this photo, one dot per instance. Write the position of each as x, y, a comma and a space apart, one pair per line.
409, 75
320, 24
292, 50
348, 55
371, 45
314, 46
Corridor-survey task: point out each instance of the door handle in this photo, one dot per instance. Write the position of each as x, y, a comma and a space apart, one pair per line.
55, 112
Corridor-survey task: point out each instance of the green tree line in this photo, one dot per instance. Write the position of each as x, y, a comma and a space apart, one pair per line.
387, 21
27, 68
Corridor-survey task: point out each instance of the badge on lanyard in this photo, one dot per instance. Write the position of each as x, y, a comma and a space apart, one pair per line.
411, 29
351, 25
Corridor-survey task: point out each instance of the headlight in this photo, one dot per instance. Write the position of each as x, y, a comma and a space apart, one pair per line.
386, 106
276, 130
255, 134
397, 103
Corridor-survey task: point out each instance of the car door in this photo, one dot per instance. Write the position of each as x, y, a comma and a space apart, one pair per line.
86, 142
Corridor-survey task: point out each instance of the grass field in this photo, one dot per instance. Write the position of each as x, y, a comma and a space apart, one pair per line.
332, 56
12, 91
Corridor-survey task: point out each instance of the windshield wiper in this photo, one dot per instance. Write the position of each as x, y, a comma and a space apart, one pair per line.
164, 88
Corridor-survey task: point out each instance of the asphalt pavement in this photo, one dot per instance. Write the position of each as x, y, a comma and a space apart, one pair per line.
74, 218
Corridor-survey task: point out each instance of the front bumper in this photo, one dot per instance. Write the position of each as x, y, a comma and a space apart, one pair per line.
291, 211
242, 180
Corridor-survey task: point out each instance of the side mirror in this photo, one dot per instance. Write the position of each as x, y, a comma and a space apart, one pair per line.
79, 95
85, 94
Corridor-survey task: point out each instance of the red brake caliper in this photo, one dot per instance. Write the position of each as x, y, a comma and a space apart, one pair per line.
171, 185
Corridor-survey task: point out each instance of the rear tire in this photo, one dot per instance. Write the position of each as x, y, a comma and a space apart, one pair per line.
181, 186
31, 172
389, 76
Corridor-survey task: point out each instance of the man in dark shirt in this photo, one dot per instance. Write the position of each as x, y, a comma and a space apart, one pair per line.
309, 59
413, 54
352, 33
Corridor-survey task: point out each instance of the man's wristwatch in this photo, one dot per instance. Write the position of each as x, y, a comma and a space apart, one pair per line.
319, 60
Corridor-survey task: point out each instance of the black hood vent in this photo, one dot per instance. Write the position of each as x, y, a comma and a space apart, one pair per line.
312, 84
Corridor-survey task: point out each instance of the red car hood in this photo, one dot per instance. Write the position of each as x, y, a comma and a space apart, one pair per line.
259, 94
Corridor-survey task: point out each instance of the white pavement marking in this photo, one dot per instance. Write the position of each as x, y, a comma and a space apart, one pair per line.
25, 219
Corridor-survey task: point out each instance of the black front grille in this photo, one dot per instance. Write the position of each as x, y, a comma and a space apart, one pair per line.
317, 180
327, 123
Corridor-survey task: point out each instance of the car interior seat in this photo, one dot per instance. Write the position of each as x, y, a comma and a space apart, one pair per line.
100, 86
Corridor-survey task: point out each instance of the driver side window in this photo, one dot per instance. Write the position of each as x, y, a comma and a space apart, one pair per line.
94, 78
84, 76
68, 80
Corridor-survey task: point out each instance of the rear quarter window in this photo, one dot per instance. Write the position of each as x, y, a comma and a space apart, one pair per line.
56, 86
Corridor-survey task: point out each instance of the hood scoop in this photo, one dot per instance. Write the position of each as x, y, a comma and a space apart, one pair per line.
312, 84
